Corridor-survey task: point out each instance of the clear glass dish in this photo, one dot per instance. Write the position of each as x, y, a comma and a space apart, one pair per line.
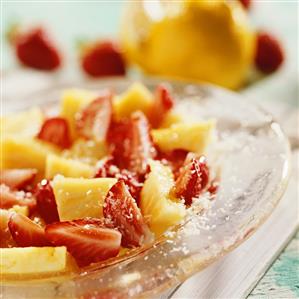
254, 156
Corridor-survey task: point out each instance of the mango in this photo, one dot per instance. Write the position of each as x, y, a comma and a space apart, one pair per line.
78, 198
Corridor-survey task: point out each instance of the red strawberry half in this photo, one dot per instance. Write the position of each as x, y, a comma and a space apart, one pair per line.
130, 143
132, 181
35, 49
121, 208
17, 178
87, 240
94, 121
9, 198
103, 59
192, 179
56, 131
25, 232
162, 104
46, 204
269, 54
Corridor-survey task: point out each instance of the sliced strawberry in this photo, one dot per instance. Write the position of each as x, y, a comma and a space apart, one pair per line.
121, 208
9, 198
17, 178
163, 102
94, 120
193, 178
86, 239
35, 49
46, 204
132, 181
175, 159
130, 143
25, 232
56, 130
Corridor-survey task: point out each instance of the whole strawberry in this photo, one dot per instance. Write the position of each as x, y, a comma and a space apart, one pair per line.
35, 49
103, 58
269, 53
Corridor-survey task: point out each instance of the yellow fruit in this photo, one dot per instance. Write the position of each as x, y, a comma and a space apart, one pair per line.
20, 210
32, 260
67, 167
137, 97
192, 137
26, 123
193, 39
73, 100
78, 198
156, 203
86, 151
171, 118
25, 153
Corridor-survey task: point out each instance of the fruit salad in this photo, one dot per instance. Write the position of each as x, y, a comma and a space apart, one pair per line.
108, 173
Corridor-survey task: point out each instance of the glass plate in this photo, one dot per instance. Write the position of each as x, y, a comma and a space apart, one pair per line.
254, 156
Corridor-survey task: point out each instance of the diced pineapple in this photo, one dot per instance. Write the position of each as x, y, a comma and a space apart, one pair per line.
67, 167
171, 118
137, 97
156, 203
20, 210
87, 151
25, 123
25, 153
192, 137
33, 260
78, 198
73, 100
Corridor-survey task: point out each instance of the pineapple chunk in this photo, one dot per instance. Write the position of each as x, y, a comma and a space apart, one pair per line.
25, 153
78, 198
86, 151
156, 203
73, 100
33, 260
170, 119
137, 97
25, 123
192, 137
67, 167
20, 210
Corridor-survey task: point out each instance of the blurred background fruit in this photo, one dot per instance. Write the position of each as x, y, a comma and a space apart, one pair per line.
198, 40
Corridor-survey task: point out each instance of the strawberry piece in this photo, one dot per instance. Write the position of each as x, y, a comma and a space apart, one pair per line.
269, 53
103, 59
174, 159
17, 178
87, 240
25, 232
56, 131
132, 181
192, 179
246, 3
46, 204
35, 49
9, 198
94, 121
121, 209
162, 104
130, 143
